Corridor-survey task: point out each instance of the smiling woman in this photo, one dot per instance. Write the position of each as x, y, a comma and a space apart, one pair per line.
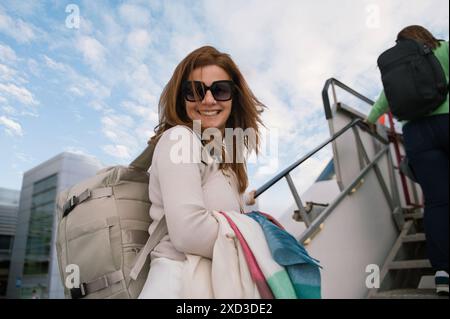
207, 88
195, 92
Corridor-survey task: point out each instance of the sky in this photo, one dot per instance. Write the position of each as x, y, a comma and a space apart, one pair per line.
86, 76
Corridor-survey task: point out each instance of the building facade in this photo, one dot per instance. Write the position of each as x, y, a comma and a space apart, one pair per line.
34, 271
9, 207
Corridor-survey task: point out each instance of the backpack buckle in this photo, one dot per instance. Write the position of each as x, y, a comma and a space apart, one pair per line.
77, 293
69, 205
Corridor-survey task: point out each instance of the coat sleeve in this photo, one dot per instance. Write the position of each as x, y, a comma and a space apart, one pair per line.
192, 228
380, 107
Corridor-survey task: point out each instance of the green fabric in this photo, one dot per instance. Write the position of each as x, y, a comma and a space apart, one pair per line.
381, 106
307, 291
281, 285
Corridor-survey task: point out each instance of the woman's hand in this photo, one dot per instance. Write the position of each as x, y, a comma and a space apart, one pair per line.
372, 127
250, 200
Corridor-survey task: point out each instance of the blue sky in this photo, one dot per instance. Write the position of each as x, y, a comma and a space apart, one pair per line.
94, 89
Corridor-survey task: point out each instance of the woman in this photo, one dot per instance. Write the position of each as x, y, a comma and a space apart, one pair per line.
426, 145
206, 86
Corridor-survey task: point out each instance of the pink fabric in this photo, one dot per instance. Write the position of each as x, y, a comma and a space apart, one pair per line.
255, 270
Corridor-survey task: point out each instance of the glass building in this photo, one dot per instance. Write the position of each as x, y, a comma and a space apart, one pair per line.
9, 206
34, 271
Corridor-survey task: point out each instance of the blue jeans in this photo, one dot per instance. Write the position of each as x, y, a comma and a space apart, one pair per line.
426, 145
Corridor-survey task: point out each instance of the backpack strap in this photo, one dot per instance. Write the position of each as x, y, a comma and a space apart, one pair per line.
159, 232
100, 283
73, 201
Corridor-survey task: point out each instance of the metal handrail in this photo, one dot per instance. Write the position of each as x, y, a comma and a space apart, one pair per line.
326, 103
394, 139
326, 99
287, 170
325, 213
312, 225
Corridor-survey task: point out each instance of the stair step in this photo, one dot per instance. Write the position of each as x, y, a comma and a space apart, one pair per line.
417, 215
426, 282
410, 264
408, 294
414, 238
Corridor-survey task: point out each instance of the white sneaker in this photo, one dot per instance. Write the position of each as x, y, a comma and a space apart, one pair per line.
441, 281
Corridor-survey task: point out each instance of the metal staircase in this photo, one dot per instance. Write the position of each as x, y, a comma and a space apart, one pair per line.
405, 270
407, 273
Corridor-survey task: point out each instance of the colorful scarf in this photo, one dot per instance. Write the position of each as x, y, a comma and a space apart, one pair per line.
303, 270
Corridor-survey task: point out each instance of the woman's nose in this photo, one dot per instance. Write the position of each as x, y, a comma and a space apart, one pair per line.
209, 98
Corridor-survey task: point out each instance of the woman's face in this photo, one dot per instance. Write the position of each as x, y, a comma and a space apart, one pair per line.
211, 113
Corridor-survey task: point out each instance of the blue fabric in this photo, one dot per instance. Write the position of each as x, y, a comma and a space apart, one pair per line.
302, 269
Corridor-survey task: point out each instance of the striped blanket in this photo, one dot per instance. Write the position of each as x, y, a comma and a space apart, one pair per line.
303, 270
251, 260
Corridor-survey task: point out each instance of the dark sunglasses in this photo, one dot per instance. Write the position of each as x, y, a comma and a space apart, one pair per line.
196, 90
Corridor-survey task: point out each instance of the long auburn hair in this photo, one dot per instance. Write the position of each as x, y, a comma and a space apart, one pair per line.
244, 112
419, 33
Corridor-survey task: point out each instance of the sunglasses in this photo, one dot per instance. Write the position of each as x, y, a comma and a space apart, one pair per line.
196, 90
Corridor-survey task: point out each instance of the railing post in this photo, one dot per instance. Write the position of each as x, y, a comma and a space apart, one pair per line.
333, 90
399, 159
363, 161
297, 199
324, 214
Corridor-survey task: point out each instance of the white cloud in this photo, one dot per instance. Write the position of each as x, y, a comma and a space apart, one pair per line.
117, 121
86, 25
141, 111
52, 64
7, 55
75, 90
21, 31
78, 84
139, 40
96, 88
93, 51
134, 15
77, 150
98, 105
24, 158
19, 93
143, 89
11, 127
118, 151
6, 73
119, 130
7, 108
33, 66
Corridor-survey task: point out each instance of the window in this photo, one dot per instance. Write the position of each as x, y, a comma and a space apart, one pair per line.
37, 252
5, 242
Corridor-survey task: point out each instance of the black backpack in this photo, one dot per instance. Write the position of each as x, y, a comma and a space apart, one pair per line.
413, 79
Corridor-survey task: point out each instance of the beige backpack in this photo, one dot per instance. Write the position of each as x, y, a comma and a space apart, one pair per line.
102, 239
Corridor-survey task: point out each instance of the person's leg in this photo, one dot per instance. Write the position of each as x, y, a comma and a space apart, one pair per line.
430, 164
440, 129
